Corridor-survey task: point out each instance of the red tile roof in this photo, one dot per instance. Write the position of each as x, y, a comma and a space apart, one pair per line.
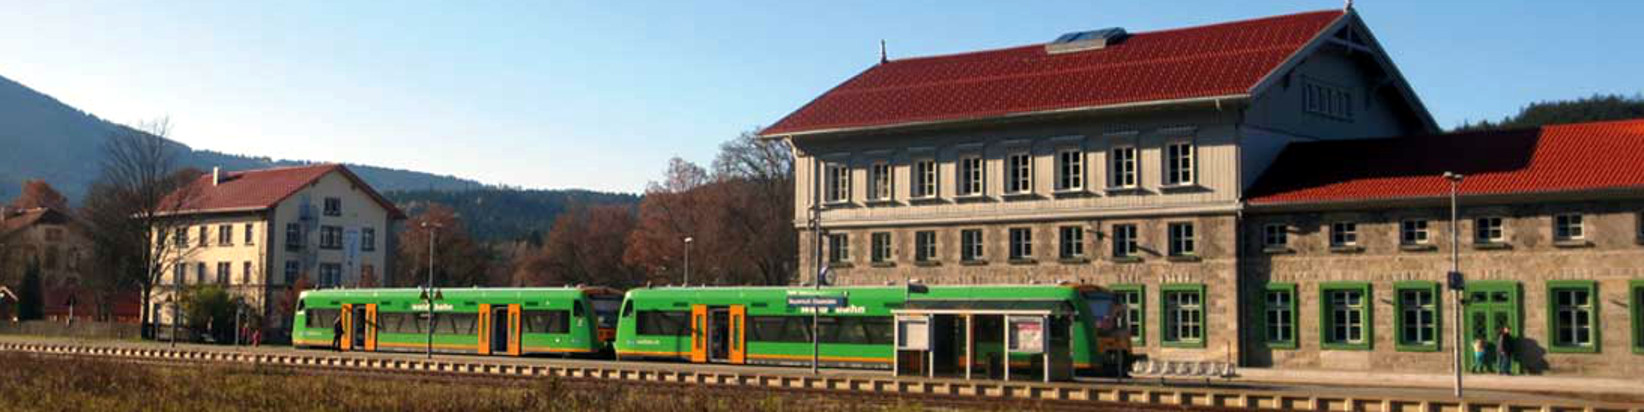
1572, 157
1207, 61
263, 188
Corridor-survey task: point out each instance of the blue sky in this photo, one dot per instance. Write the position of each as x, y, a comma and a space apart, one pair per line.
600, 94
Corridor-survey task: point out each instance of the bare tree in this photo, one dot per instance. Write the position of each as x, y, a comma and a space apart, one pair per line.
137, 208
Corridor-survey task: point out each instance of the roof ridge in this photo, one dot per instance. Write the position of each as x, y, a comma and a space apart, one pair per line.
1157, 31
1074, 69
286, 168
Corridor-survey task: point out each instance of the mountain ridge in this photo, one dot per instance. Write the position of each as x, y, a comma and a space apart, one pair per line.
44, 138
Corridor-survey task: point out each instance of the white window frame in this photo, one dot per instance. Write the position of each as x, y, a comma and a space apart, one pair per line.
924, 246
1124, 171
1275, 235
971, 246
1124, 240
881, 181
881, 242
839, 248
1489, 229
1574, 323
1021, 243
972, 176
924, 178
1072, 241
1185, 316
1569, 227
1415, 232
1182, 238
1019, 173
1344, 233
1180, 167
1070, 169
1351, 330
836, 183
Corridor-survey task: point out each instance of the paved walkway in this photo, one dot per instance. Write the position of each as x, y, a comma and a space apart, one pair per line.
1623, 388
1483, 388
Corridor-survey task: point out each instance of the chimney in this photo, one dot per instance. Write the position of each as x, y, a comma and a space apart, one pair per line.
216, 175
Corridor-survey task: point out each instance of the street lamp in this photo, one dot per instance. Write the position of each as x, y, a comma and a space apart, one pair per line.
1455, 275
688, 241
429, 294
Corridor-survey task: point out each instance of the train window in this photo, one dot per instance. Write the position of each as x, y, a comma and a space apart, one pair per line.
402, 322
455, 323
662, 323
546, 321
627, 309
878, 330
576, 309
779, 328
605, 308
321, 318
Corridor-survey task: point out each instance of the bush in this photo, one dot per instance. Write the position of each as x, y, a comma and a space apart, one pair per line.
209, 311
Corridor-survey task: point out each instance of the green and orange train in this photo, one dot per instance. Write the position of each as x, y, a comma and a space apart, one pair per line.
490, 321
732, 325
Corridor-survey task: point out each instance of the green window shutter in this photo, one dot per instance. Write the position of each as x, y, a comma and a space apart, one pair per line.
1183, 325
1135, 298
1405, 313
1279, 336
1572, 322
1355, 329
1637, 290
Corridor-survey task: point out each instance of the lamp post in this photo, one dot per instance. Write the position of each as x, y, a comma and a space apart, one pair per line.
688, 241
429, 294
1455, 275
173, 301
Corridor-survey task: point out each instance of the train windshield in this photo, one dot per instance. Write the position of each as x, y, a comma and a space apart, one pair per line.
605, 308
1106, 311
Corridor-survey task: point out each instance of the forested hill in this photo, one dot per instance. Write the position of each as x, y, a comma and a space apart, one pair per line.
1591, 109
43, 138
504, 214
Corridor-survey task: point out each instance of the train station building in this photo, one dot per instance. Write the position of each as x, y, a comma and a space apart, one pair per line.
1154, 163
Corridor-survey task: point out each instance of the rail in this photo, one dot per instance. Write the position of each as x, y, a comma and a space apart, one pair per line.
1136, 394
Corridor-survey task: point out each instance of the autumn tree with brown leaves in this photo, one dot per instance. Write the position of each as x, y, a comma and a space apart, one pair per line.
585, 246
740, 218
458, 259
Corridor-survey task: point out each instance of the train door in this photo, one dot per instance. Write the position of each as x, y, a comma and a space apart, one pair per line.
699, 333
371, 327
500, 330
739, 334
346, 316
719, 334
513, 330
484, 328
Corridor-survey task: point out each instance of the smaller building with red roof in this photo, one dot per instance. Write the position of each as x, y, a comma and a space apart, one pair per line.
259, 233
1348, 245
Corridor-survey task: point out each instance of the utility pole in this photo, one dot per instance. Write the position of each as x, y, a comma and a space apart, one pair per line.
429, 294
1455, 278
816, 241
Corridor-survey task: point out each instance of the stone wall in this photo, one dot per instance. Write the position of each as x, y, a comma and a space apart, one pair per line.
1214, 266
99, 330
1610, 255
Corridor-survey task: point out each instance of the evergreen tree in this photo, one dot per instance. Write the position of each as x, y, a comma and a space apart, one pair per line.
30, 301
1591, 109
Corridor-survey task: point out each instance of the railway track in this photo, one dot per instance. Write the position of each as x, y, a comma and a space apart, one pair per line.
863, 390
